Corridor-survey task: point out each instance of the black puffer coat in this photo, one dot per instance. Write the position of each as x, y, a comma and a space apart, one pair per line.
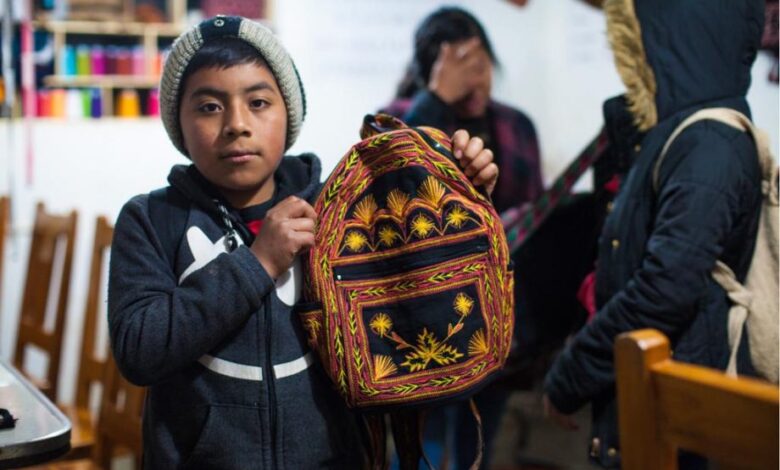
657, 250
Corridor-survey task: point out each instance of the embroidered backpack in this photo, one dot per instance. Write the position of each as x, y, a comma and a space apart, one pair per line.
757, 302
409, 290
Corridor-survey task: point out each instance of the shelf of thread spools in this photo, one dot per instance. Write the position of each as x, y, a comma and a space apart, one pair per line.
89, 103
120, 80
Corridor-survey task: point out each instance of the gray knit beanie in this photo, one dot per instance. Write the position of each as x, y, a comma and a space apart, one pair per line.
256, 35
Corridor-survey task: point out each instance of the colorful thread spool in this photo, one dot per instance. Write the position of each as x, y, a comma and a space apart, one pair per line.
128, 105
124, 62
83, 65
153, 103
96, 103
68, 64
74, 104
44, 103
58, 106
98, 60
139, 61
112, 53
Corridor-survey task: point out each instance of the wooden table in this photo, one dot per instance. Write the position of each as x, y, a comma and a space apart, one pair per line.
42, 432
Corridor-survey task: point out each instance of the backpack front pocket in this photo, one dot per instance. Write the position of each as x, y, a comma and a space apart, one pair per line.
418, 324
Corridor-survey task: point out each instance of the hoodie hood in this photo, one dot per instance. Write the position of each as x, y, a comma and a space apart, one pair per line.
677, 54
299, 176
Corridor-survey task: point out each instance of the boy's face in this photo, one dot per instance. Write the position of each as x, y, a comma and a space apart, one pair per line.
234, 123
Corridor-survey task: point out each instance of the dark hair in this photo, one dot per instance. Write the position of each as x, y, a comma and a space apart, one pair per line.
447, 24
222, 53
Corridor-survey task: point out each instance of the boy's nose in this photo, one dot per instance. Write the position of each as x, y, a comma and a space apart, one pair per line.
236, 123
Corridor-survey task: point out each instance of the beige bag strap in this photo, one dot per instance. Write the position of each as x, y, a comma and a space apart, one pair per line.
740, 297
733, 118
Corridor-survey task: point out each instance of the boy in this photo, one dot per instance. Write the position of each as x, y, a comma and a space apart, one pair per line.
209, 326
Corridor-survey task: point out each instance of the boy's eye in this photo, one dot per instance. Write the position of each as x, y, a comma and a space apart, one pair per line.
258, 103
208, 108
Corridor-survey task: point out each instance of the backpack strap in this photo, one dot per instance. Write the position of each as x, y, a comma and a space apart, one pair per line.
168, 211
737, 120
407, 427
738, 294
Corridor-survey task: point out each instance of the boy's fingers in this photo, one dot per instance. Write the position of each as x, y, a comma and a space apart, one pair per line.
487, 177
302, 224
294, 207
472, 150
305, 240
483, 159
459, 141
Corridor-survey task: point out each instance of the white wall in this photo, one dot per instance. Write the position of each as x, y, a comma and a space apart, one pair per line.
556, 66
351, 54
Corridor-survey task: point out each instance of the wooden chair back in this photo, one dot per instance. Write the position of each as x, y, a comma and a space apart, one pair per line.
89, 382
48, 229
5, 228
119, 424
91, 367
664, 406
118, 427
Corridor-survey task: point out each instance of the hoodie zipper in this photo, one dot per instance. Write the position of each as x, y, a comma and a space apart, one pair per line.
231, 242
270, 386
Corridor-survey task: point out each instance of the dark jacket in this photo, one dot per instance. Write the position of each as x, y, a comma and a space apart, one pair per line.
515, 146
232, 382
657, 250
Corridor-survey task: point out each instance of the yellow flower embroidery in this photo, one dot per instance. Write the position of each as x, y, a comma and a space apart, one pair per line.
478, 344
387, 235
457, 217
396, 202
355, 241
381, 324
422, 226
365, 209
383, 366
430, 349
432, 191
463, 304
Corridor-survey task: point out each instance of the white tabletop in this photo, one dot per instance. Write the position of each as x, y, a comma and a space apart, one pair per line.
41, 433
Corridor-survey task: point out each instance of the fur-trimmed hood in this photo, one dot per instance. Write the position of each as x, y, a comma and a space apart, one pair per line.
675, 54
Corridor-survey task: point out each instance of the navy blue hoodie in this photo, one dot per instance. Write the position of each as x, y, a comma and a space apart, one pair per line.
231, 381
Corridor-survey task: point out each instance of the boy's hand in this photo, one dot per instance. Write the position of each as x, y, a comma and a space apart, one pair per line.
475, 160
288, 229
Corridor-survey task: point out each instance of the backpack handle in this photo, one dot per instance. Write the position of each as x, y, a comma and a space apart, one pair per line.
374, 124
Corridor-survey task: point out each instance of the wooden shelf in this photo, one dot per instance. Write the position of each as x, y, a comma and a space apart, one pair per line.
101, 81
111, 28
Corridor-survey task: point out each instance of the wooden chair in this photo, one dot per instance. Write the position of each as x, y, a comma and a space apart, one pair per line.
5, 227
48, 229
92, 364
666, 405
119, 424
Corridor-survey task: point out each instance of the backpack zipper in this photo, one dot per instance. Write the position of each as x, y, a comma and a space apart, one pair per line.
410, 261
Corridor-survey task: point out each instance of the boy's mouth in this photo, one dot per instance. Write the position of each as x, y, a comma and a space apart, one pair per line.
239, 156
